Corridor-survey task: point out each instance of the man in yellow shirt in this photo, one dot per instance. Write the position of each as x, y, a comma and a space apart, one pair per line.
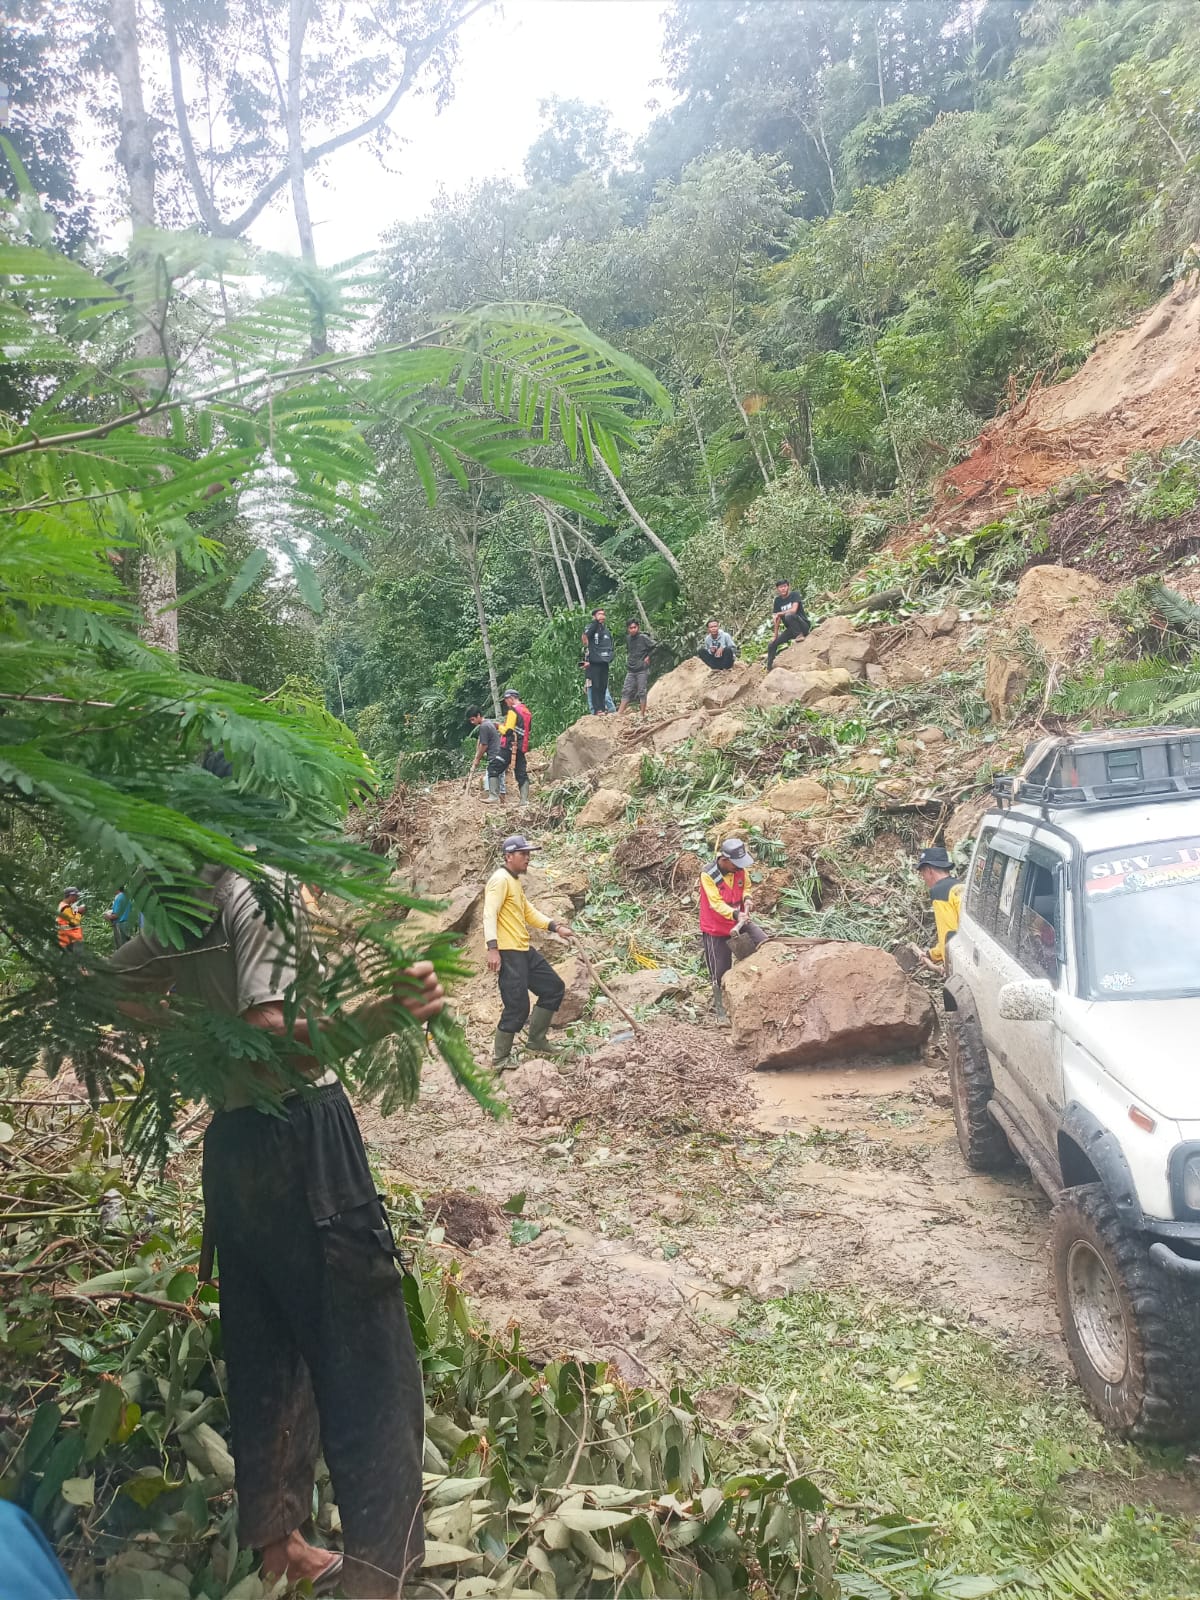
934, 868
507, 919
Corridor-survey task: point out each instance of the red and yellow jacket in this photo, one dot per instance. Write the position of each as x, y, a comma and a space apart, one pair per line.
721, 896
516, 726
69, 923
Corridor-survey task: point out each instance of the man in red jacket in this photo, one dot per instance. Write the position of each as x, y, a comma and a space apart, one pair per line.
724, 911
514, 731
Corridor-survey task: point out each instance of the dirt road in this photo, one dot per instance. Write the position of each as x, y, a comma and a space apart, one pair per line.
669, 1181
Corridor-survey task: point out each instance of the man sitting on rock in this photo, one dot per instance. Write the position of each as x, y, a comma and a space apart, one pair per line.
725, 911
717, 649
507, 919
789, 616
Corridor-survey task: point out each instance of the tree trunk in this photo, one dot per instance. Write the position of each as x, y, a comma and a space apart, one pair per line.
299, 12
602, 560
727, 369
537, 572
574, 572
471, 562
637, 516
562, 576
879, 60
685, 396
157, 584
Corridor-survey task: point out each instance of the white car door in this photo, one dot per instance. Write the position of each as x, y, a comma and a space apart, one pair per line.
1030, 944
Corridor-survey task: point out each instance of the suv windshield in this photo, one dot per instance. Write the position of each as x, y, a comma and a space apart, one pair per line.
1141, 911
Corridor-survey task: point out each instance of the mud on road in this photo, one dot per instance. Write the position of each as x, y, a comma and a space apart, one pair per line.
671, 1181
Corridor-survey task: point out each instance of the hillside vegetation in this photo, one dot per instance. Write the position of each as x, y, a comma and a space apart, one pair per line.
851, 243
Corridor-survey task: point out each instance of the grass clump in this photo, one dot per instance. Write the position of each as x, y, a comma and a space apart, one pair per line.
984, 1455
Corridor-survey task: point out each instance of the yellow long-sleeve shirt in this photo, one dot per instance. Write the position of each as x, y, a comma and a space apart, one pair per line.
507, 914
946, 895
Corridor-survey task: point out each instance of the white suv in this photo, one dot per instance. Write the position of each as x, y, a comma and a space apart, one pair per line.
1073, 998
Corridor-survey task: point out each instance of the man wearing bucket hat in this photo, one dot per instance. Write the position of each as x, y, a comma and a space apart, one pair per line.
936, 871
507, 919
725, 911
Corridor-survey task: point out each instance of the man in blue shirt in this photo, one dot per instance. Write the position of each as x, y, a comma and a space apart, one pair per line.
29, 1569
118, 917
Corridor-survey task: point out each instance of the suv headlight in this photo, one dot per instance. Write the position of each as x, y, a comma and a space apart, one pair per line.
1190, 1181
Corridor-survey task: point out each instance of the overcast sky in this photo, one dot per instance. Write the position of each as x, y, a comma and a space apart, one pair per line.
607, 52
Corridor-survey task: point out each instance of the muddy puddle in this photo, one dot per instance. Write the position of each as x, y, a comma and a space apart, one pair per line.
833, 1097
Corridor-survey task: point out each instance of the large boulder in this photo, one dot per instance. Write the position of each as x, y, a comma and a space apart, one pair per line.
604, 808
645, 988
578, 980
453, 917
964, 820
1061, 610
581, 748
623, 772
692, 685
678, 731
835, 643
784, 687
800, 1001
796, 794
746, 819
724, 729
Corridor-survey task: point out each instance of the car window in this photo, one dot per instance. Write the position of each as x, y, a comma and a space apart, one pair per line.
1038, 928
993, 891
975, 881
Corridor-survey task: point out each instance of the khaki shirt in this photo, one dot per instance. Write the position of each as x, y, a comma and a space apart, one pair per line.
237, 963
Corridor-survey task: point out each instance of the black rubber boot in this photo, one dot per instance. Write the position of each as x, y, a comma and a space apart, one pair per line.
502, 1049
536, 1040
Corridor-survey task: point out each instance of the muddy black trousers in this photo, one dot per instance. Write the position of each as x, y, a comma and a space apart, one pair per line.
522, 971
316, 1340
791, 628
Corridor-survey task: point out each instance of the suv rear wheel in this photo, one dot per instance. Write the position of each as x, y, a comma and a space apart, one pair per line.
1130, 1327
982, 1141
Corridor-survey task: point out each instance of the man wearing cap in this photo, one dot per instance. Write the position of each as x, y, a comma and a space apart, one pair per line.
507, 919
514, 735
68, 920
724, 911
936, 871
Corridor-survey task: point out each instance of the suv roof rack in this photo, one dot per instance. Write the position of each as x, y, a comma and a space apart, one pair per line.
1124, 766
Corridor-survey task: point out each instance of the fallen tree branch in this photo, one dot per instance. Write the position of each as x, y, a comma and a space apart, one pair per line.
590, 969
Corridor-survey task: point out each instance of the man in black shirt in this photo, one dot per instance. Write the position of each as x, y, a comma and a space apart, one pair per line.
790, 619
639, 646
599, 645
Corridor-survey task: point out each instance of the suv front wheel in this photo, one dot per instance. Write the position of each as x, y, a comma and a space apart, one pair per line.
1131, 1328
982, 1142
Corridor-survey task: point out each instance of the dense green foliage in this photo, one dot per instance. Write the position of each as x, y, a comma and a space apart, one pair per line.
102, 736
856, 229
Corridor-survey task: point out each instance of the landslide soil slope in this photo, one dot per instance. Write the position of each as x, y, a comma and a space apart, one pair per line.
1139, 390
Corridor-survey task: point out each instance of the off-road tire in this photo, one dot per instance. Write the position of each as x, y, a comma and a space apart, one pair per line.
1157, 1396
982, 1141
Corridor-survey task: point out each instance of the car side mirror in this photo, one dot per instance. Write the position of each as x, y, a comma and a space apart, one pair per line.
1029, 1000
